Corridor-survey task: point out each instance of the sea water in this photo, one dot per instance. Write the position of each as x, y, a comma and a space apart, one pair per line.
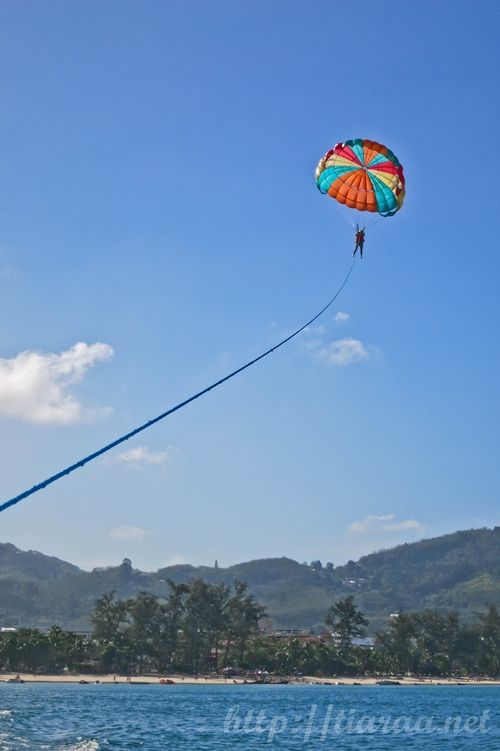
59, 717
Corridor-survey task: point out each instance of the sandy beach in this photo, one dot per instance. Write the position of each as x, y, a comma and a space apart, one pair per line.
231, 681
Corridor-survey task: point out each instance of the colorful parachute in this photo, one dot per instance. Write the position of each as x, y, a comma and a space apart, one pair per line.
364, 175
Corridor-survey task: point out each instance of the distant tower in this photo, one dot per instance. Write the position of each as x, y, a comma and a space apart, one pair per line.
216, 565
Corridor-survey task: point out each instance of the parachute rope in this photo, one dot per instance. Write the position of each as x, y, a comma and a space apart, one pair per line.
144, 426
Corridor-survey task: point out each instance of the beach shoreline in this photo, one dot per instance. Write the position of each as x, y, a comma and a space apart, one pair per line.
189, 680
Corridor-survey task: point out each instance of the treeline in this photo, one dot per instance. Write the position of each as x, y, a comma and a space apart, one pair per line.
432, 643
202, 627
428, 643
198, 627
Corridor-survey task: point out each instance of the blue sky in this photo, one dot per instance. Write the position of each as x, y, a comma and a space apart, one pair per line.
158, 206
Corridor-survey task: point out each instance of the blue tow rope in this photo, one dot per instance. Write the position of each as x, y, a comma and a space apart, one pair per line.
127, 436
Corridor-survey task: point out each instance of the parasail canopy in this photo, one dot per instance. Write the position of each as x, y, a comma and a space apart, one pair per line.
363, 175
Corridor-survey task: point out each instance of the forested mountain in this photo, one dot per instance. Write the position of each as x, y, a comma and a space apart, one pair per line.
459, 572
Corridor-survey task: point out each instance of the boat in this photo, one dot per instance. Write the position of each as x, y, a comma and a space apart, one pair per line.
388, 682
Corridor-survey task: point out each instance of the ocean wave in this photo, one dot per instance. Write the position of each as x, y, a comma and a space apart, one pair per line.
5, 712
87, 745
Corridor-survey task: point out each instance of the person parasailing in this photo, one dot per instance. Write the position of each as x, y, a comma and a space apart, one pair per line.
363, 175
360, 241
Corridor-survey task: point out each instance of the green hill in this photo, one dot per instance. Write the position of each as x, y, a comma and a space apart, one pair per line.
460, 571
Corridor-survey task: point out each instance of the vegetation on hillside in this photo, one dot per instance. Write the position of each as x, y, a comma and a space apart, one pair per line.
458, 572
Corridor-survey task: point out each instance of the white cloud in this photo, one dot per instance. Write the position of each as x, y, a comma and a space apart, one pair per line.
318, 330
36, 386
341, 317
343, 352
141, 456
406, 524
312, 343
384, 523
128, 533
312, 337
176, 560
